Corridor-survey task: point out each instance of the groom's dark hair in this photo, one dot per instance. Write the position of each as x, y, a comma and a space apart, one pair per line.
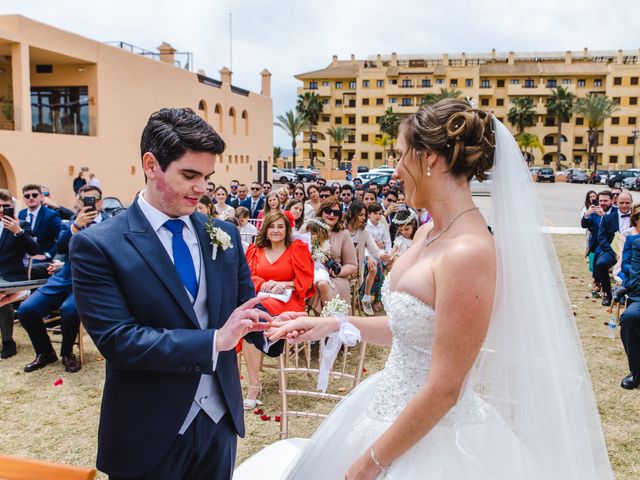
172, 132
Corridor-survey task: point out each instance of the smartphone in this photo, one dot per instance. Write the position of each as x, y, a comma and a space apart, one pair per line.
402, 206
90, 202
594, 202
8, 212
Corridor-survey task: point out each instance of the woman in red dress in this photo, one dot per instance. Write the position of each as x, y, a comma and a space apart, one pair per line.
279, 266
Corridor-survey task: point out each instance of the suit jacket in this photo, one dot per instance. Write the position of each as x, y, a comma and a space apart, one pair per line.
12, 252
631, 267
592, 223
607, 231
45, 228
253, 213
135, 307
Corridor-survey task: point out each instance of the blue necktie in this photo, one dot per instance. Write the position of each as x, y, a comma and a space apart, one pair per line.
182, 257
31, 219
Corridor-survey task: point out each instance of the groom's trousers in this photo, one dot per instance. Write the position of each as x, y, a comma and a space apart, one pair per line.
206, 451
630, 335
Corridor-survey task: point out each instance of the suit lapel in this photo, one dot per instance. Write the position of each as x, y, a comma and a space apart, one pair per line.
3, 237
213, 270
38, 219
148, 245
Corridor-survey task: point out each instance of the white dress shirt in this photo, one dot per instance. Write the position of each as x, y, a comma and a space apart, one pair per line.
623, 223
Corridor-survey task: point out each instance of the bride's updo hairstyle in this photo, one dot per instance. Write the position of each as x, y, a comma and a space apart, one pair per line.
461, 134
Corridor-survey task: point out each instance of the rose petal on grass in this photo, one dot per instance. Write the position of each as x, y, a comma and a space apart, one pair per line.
265, 417
258, 411
58, 382
276, 418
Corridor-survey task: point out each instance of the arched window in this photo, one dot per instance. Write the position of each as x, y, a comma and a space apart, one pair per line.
203, 110
245, 121
219, 124
232, 118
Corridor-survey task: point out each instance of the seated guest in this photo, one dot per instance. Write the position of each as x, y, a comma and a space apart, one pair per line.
45, 223
630, 319
57, 294
225, 211
255, 202
279, 265
295, 211
324, 193
271, 205
346, 196
374, 269
16, 241
248, 230
242, 199
595, 207
232, 199
266, 188
312, 205
206, 207
631, 234
64, 212
283, 196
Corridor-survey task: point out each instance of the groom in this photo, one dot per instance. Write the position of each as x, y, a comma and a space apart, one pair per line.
167, 316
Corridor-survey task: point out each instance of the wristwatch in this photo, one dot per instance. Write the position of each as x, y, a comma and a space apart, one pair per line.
18, 234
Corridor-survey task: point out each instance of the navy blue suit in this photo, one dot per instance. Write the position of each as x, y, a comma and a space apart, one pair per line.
253, 212
592, 223
45, 228
135, 307
12, 252
630, 319
605, 256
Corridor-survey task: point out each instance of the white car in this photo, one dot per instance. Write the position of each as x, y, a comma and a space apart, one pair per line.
629, 182
366, 176
282, 176
382, 170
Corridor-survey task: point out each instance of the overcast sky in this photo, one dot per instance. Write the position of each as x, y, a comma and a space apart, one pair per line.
295, 36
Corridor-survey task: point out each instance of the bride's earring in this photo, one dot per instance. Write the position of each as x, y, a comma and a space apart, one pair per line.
428, 169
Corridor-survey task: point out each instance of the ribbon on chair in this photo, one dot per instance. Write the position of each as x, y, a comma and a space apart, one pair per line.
349, 335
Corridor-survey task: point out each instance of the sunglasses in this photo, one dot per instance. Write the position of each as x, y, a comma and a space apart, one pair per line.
324, 195
299, 193
346, 194
331, 211
255, 189
209, 189
8, 205
31, 195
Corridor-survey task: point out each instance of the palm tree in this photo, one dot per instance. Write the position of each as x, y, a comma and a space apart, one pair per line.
277, 153
292, 123
310, 105
431, 98
596, 108
522, 114
338, 134
390, 124
560, 106
384, 141
528, 142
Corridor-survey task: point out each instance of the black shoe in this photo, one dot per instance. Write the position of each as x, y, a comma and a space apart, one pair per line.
41, 361
606, 301
71, 363
631, 381
8, 349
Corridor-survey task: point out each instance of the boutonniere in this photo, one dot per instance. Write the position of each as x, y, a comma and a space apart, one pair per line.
219, 238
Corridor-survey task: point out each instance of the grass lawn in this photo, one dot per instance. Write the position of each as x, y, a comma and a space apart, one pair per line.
59, 423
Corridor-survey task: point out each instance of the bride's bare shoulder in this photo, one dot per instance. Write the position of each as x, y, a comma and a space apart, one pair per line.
471, 252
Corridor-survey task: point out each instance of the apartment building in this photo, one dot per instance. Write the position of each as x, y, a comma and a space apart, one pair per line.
69, 103
356, 93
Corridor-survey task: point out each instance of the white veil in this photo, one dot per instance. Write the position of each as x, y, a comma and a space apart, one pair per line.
532, 368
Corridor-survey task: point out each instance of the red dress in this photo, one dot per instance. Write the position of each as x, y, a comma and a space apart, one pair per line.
295, 264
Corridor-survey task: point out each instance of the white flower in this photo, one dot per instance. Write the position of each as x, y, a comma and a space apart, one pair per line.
219, 238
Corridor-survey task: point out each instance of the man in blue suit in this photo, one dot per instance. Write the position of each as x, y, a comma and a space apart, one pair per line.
614, 221
256, 200
630, 319
45, 223
57, 293
166, 294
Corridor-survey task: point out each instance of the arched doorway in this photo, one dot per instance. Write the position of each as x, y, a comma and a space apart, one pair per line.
7, 176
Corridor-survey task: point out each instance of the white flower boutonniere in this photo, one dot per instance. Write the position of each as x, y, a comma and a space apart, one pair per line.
219, 238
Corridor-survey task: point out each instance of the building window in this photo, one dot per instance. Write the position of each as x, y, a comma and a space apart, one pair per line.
380, 83
426, 83
549, 121
615, 120
338, 85
393, 82
313, 85
406, 83
551, 83
614, 140
500, 102
326, 118
325, 101
597, 83
453, 82
634, 81
613, 159
582, 83
63, 110
365, 119
616, 100
364, 155
633, 100
578, 141
577, 159
514, 81
351, 103
379, 101
484, 102
338, 121
352, 84
245, 117
364, 138
393, 100
579, 121
500, 83
406, 102
365, 83
338, 102
365, 102
485, 84
439, 81
617, 80
378, 155
629, 159
378, 120
468, 82
325, 83
352, 120
566, 81
632, 120
529, 83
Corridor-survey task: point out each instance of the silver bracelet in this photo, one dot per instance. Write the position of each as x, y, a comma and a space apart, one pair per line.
382, 468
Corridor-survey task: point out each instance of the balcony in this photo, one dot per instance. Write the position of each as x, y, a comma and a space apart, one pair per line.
486, 91
537, 90
322, 91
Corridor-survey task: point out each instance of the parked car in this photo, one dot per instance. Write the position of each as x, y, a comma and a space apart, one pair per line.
306, 175
383, 169
577, 176
362, 168
630, 182
481, 187
365, 177
599, 177
380, 180
282, 176
616, 179
546, 174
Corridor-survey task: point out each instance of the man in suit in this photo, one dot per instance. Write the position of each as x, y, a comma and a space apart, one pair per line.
256, 200
166, 301
16, 241
45, 223
630, 319
614, 221
243, 199
57, 293
232, 198
591, 221
346, 197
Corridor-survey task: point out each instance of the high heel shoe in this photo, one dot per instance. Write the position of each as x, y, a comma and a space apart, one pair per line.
251, 403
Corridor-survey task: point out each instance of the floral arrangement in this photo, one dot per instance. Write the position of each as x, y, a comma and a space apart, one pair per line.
335, 306
219, 238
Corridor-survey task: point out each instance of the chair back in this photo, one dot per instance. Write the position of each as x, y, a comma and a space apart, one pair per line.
13, 468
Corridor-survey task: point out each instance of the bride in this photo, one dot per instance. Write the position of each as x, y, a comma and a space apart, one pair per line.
485, 378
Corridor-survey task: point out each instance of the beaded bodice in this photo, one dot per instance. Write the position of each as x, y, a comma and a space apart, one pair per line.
412, 324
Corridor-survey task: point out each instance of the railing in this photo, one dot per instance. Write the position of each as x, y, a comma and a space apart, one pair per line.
67, 125
187, 57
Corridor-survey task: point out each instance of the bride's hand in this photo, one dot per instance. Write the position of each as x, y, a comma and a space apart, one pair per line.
303, 329
362, 469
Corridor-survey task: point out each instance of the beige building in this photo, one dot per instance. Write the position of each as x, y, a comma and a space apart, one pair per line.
356, 93
69, 103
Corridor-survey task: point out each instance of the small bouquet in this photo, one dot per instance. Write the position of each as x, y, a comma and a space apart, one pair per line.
219, 238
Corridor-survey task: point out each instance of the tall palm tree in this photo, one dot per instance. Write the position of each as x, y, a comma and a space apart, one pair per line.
310, 105
384, 141
390, 124
528, 142
560, 105
339, 135
431, 98
522, 114
293, 123
277, 153
596, 108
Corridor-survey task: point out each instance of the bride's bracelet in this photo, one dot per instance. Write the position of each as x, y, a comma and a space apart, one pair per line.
383, 469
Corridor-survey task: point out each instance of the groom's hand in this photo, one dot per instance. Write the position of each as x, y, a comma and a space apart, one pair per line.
243, 320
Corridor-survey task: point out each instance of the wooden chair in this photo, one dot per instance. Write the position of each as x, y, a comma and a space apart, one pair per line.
309, 377
52, 323
12, 468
